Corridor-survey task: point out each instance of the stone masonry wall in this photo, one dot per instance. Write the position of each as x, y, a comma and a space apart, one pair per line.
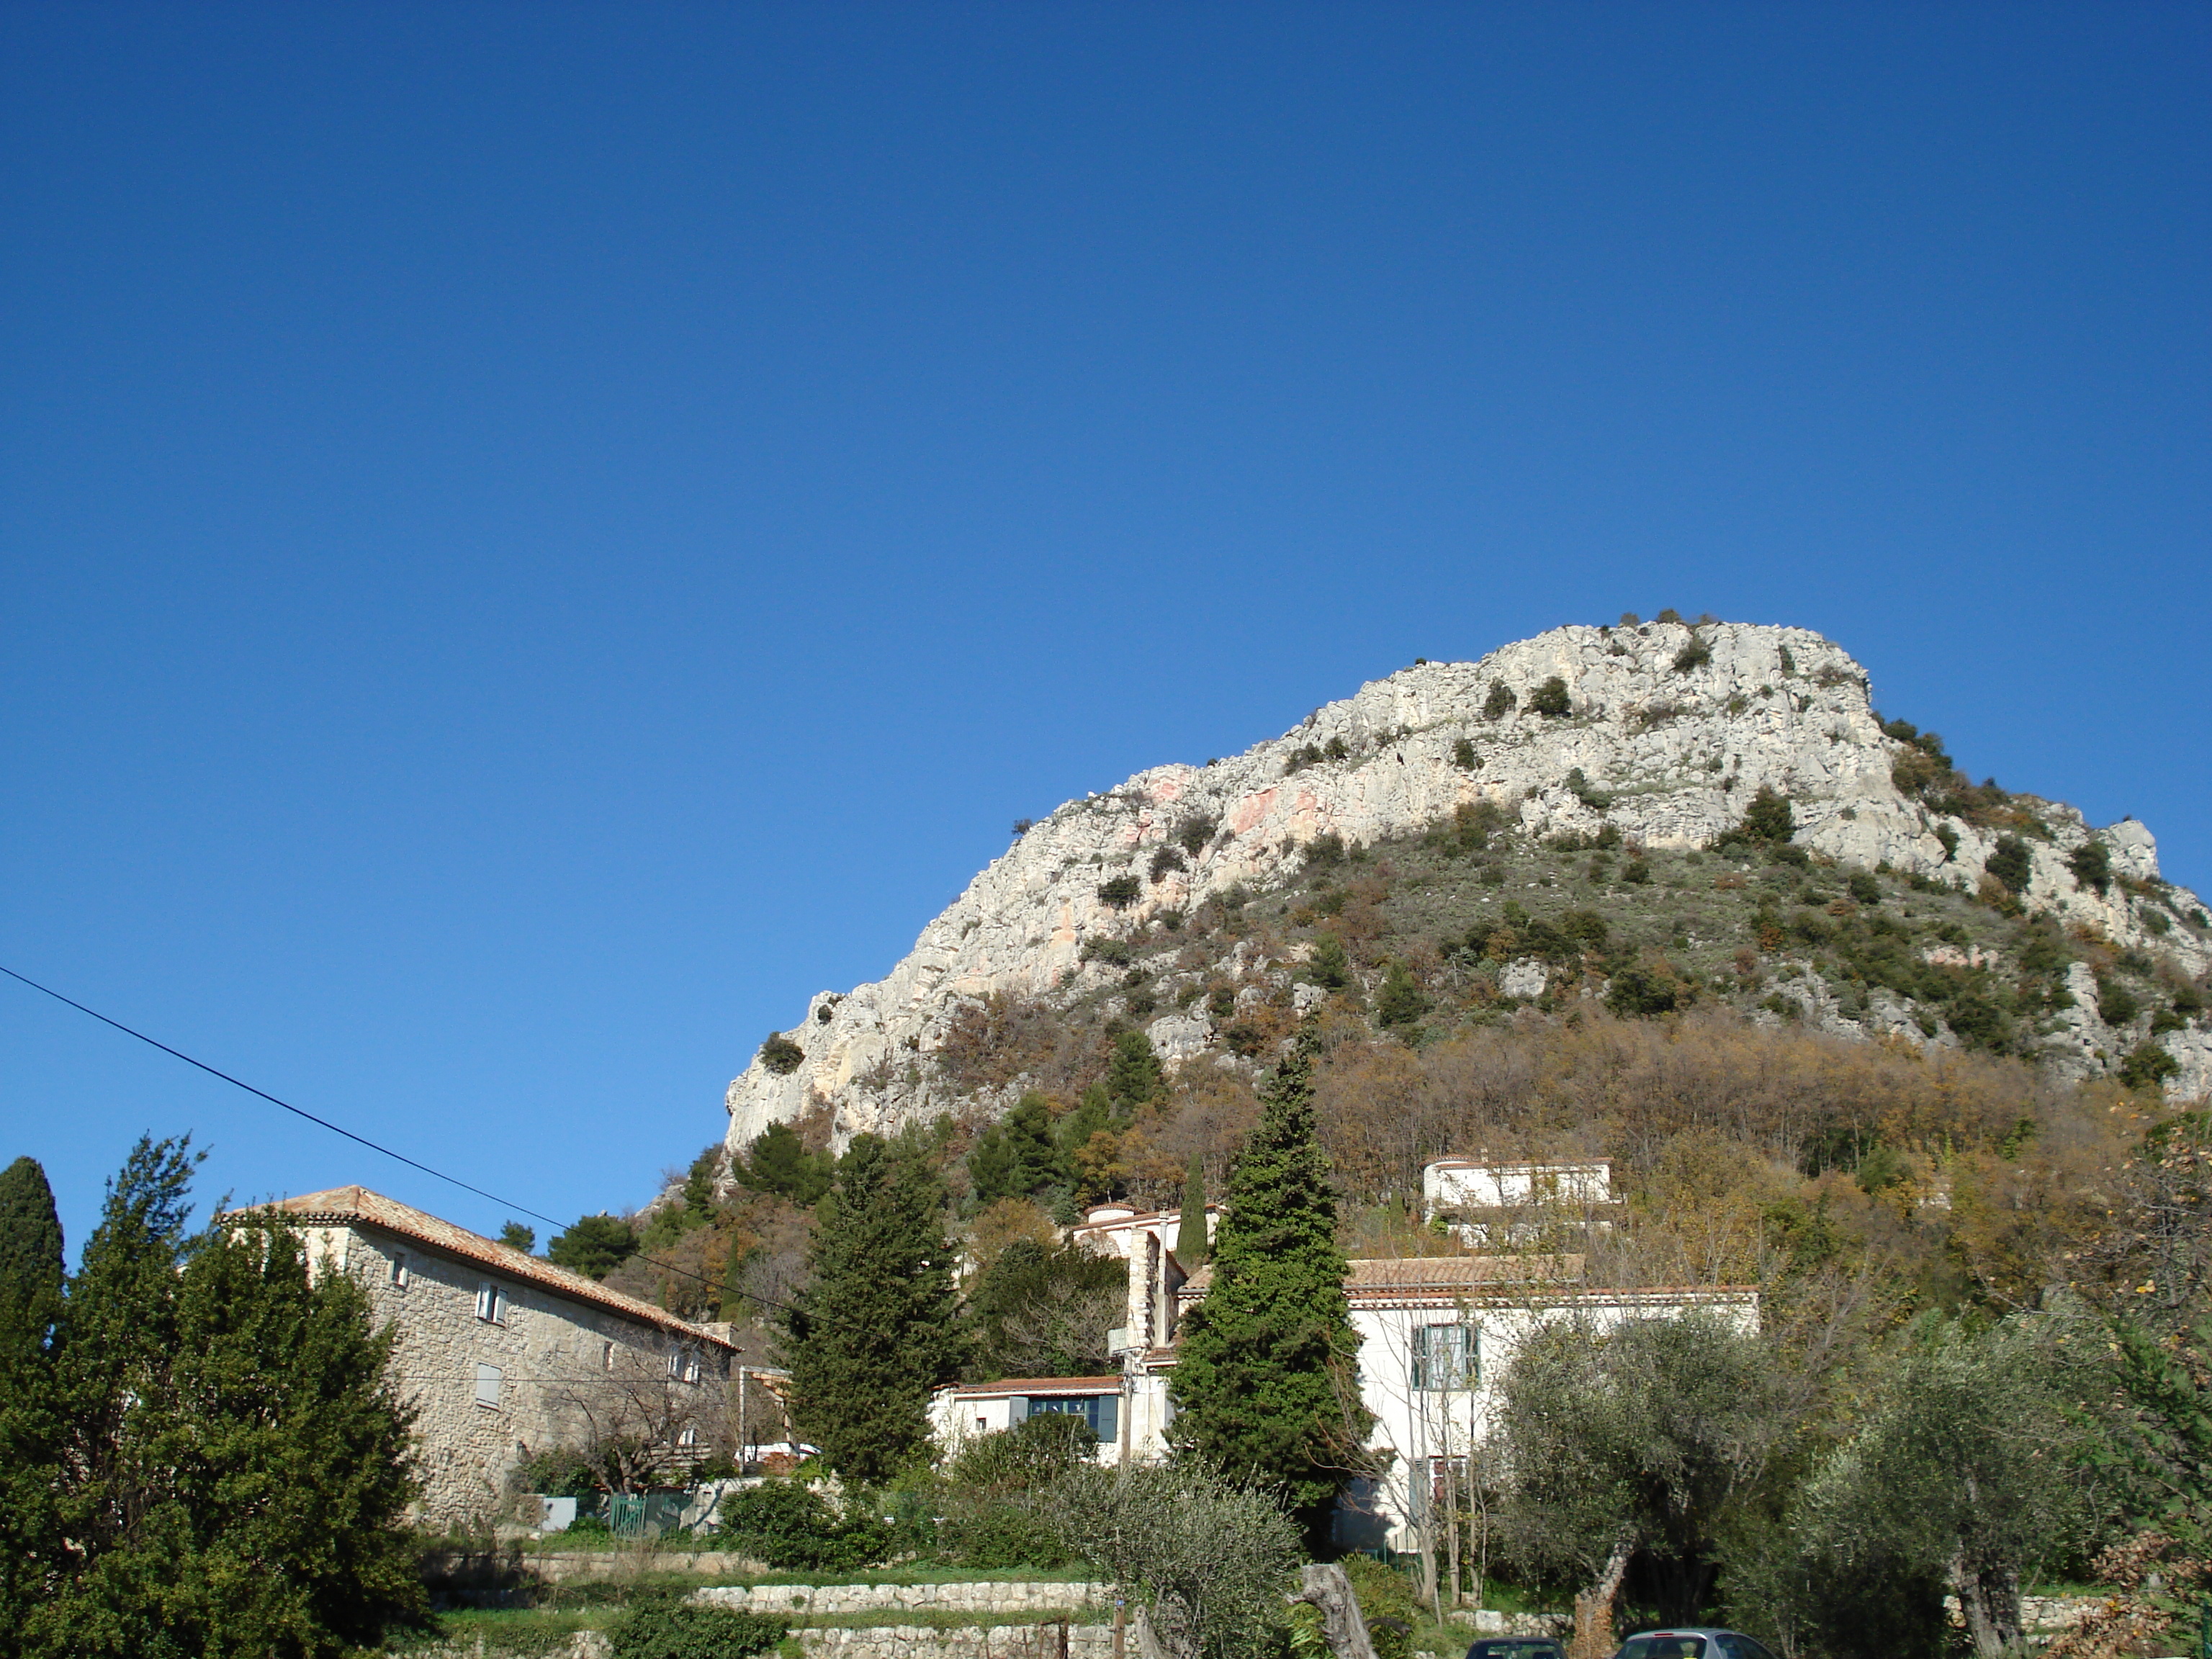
542, 1343
971, 1642
1018, 1599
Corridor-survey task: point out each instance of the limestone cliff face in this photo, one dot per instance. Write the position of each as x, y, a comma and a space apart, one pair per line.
1680, 750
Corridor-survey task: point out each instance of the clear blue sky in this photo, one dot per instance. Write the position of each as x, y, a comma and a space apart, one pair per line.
536, 536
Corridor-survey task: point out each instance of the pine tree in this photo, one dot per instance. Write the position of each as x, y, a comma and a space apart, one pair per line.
1190, 1227
1017, 1157
877, 1326
1264, 1382
1134, 1075
780, 1164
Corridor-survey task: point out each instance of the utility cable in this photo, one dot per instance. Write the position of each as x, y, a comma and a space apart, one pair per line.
363, 1140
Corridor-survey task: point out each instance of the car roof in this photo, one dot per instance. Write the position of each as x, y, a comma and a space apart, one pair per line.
1685, 1629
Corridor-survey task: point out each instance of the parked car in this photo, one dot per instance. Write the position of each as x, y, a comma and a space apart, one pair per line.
1691, 1642
1515, 1647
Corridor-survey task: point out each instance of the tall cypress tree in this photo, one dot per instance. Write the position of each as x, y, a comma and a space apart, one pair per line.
33, 1550
1190, 1227
877, 1326
1264, 1382
30, 1255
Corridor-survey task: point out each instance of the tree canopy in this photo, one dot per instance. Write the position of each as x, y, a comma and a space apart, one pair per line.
877, 1326
227, 1463
1265, 1385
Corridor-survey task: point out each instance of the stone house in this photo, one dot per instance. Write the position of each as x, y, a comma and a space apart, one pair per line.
504, 1355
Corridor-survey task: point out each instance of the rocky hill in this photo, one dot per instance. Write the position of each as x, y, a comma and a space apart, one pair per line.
1593, 813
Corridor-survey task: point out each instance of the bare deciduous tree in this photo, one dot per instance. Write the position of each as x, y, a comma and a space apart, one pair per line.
642, 1415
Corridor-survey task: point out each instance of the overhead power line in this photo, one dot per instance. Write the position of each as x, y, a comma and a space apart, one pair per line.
363, 1140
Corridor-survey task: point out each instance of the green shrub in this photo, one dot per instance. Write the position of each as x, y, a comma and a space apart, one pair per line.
1328, 966
1119, 892
792, 1528
1032, 1454
2158, 921
1580, 788
780, 1054
1325, 851
1769, 818
1336, 749
1669, 615
1694, 655
1863, 887
1551, 699
1401, 1001
1463, 755
1641, 993
1636, 871
1098, 948
1192, 833
1500, 703
1386, 1604
2148, 1067
665, 1626
2010, 864
2116, 1004
2092, 865
1164, 861
1301, 758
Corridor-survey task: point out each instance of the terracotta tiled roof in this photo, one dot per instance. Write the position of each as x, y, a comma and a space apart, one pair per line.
1434, 1276
1039, 1385
357, 1206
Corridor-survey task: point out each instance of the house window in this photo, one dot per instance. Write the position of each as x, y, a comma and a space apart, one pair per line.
688, 1439
400, 1270
487, 1379
607, 1355
675, 1363
1445, 1358
692, 1365
1103, 1411
487, 1301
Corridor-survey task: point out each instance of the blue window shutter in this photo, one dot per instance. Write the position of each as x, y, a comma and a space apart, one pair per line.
1109, 1418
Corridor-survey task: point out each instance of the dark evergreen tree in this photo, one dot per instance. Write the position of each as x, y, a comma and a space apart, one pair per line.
1265, 1385
594, 1246
517, 1236
778, 1162
1327, 965
33, 1551
1401, 1001
1190, 1243
234, 1469
877, 1326
2011, 863
1134, 1075
1017, 1157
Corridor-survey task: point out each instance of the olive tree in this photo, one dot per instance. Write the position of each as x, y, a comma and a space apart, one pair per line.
1972, 1469
1215, 1558
1632, 1446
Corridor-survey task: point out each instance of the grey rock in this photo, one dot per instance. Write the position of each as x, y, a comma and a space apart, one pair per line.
1682, 753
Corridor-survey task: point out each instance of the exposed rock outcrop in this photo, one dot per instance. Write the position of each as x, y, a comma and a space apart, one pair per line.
1679, 725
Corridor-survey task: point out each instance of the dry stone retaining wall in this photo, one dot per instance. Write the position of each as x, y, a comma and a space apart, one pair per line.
1014, 1598
973, 1641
